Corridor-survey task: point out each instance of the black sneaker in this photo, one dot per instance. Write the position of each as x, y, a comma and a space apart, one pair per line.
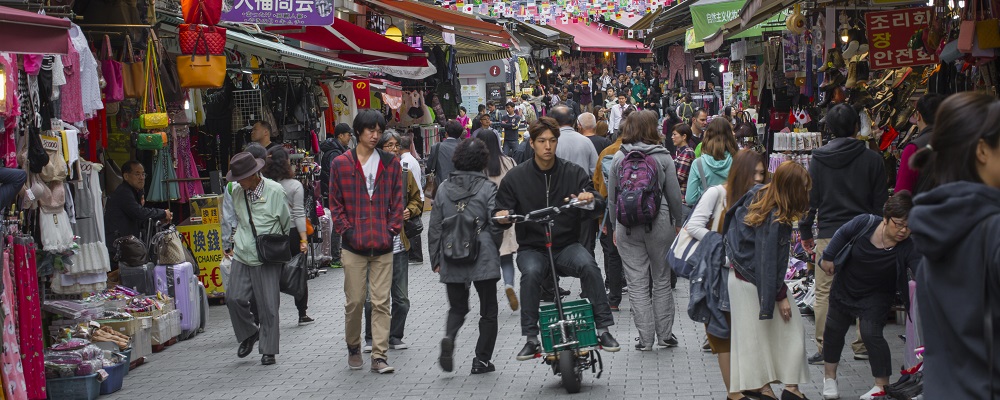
816, 359
305, 320
669, 342
608, 342
446, 361
861, 356
482, 367
532, 350
706, 346
397, 344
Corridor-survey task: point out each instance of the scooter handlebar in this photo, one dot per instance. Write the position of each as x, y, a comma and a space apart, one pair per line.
540, 214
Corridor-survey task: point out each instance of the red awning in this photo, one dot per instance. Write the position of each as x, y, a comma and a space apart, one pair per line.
32, 33
590, 38
460, 24
353, 43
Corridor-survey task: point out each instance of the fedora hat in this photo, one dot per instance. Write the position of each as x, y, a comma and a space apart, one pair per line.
242, 166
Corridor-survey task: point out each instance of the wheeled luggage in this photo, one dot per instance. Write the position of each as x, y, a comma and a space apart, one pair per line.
140, 279
180, 282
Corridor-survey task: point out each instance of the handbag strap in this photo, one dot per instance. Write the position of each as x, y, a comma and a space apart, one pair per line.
128, 54
704, 179
152, 82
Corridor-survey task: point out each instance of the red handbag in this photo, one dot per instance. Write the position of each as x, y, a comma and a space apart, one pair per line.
208, 12
214, 39
779, 120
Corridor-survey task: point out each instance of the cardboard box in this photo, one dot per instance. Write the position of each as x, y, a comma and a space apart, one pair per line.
128, 327
142, 344
206, 209
166, 327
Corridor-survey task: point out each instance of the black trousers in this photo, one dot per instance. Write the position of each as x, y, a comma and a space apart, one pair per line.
588, 235
614, 273
838, 323
458, 298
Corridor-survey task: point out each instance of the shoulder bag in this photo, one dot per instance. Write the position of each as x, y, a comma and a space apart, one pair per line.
845, 253
154, 107
413, 226
112, 71
271, 247
133, 72
685, 245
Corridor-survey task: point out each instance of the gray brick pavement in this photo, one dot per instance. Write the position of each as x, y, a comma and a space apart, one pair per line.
312, 363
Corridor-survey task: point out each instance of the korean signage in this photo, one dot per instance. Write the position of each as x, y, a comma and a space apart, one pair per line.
279, 12
889, 34
708, 18
205, 243
496, 91
362, 93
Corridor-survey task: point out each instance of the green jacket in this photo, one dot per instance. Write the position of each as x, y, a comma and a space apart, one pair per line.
270, 215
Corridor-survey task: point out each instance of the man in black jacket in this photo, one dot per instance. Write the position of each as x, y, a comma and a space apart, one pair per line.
125, 212
520, 192
439, 162
848, 180
331, 148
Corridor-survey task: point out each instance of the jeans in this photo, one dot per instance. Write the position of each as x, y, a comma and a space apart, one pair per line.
509, 146
507, 269
458, 298
573, 260
837, 325
613, 269
400, 298
588, 235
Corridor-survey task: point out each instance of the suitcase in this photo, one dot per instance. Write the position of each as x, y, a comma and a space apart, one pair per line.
180, 282
140, 279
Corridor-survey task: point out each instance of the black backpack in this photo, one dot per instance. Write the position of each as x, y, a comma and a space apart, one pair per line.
460, 238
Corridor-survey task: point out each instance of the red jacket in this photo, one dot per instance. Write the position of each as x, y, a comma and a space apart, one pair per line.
366, 223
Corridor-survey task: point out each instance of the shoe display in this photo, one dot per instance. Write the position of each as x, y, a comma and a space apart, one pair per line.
816, 359
267, 359
305, 320
482, 367
368, 346
830, 389
669, 342
529, 351
246, 347
512, 298
397, 344
354, 360
608, 342
861, 356
446, 360
873, 393
379, 365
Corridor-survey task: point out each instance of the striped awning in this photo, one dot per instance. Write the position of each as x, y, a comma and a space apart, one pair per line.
499, 55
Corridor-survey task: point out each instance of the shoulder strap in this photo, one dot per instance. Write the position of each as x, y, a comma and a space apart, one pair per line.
246, 201
704, 179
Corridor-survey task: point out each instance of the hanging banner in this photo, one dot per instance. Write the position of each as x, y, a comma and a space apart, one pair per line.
204, 242
708, 18
279, 12
362, 92
691, 41
889, 34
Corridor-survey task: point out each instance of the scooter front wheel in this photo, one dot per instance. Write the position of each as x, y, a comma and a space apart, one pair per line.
571, 376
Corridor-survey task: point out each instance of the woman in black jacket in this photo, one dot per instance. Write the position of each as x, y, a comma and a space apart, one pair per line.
864, 287
956, 225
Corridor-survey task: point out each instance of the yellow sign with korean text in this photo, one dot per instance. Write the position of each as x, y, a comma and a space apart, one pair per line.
205, 243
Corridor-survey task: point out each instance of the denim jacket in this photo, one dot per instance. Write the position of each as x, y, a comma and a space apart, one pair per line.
758, 253
710, 286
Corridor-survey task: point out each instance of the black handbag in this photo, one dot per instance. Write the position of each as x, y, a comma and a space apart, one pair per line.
271, 247
845, 252
294, 276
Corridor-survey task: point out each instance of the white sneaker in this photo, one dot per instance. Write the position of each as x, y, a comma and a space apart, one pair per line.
871, 393
830, 389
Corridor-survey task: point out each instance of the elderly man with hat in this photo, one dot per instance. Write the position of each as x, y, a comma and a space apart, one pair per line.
263, 200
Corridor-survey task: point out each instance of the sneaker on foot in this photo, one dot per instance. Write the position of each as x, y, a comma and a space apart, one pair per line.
861, 356
397, 344
446, 360
668, 342
706, 346
381, 366
354, 360
368, 346
641, 347
305, 320
608, 342
529, 351
816, 359
482, 367
512, 298
875, 392
830, 389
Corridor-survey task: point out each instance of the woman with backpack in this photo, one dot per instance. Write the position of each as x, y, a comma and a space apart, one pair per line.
496, 168
642, 174
718, 146
278, 168
462, 207
747, 171
758, 227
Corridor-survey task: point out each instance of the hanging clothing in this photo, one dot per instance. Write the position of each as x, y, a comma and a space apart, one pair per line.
92, 256
163, 171
186, 167
71, 94
14, 385
90, 87
29, 317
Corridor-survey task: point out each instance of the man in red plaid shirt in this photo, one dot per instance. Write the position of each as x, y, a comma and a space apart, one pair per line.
366, 203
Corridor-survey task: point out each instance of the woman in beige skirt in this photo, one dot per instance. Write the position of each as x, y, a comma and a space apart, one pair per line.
765, 349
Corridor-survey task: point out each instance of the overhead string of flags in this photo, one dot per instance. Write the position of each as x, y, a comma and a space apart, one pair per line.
566, 12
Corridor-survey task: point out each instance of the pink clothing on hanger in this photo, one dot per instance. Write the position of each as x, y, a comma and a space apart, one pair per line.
70, 94
14, 387
29, 317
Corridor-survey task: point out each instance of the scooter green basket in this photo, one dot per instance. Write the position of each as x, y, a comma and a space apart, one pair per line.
579, 311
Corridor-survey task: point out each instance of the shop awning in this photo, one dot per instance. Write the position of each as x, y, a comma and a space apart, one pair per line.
32, 33
590, 38
295, 56
715, 22
444, 20
353, 43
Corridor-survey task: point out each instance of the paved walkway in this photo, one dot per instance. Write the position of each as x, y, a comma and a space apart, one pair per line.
313, 359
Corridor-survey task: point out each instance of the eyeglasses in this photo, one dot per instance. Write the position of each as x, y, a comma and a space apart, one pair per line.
900, 225
391, 146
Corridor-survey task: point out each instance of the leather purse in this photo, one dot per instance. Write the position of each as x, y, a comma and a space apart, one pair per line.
133, 72
167, 71
746, 128
112, 71
158, 120
271, 247
967, 29
201, 72
845, 252
151, 141
154, 110
214, 42
202, 11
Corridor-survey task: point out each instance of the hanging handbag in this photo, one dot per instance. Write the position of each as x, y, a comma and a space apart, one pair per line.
967, 29
154, 107
167, 72
207, 12
151, 141
988, 32
746, 127
294, 276
133, 72
112, 72
271, 247
197, 72
214, 42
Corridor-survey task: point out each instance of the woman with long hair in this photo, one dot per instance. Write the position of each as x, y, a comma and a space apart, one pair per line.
956, 225
718, 146
747, 171
683, 155
278, 168
642, 246
758, 228
497, 166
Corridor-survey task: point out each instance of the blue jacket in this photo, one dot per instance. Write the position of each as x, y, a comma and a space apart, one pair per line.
759, 253
710, 285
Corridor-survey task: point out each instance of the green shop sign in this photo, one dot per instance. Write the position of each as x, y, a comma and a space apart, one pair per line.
708, 18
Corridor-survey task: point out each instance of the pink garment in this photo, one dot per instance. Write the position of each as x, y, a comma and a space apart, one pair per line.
464, 121
71, 94
907, 177
186, 168
11, 107
676, 63
8, 144
29, 317
14, 387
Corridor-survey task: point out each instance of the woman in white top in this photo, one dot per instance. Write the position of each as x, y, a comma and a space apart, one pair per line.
747, 170
496, 168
